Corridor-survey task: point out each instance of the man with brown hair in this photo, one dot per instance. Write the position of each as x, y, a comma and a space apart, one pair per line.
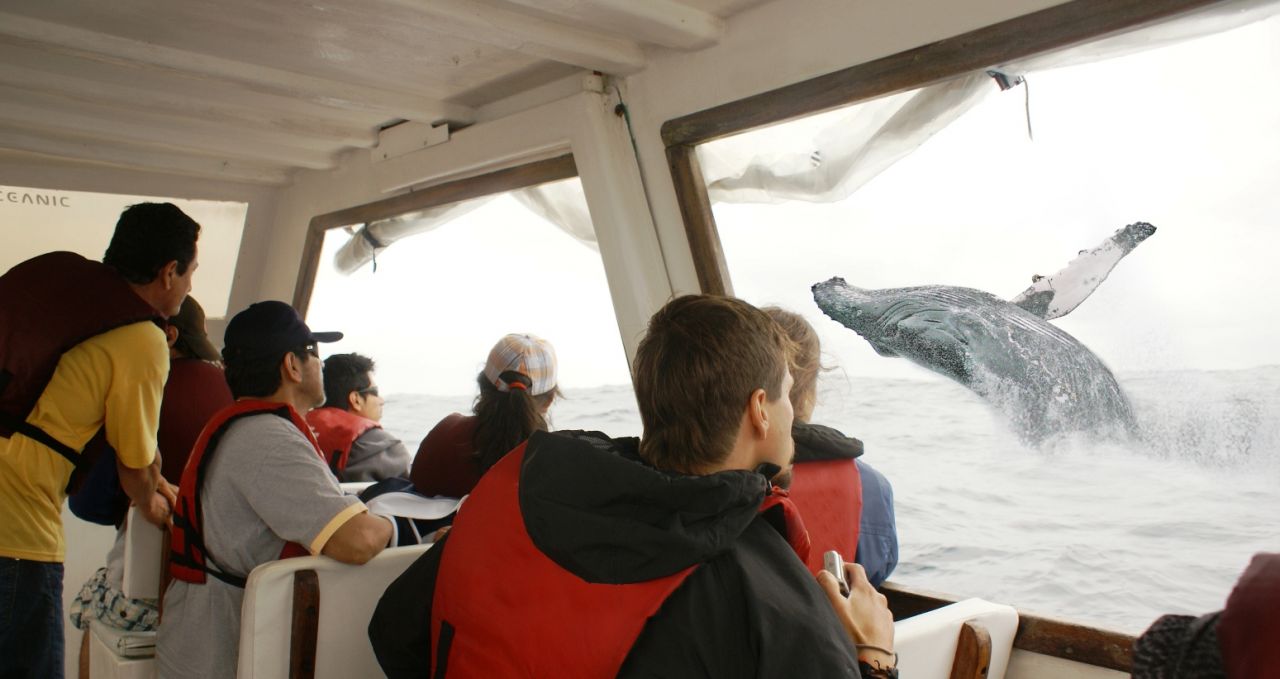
579, 555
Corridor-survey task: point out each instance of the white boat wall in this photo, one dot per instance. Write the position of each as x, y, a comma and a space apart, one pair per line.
320, 116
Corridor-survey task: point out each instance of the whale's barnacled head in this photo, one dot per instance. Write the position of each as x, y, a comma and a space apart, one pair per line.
904, 322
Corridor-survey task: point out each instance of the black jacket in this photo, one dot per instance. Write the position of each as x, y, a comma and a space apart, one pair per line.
751, 609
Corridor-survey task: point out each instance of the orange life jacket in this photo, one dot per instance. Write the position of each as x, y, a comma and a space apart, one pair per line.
484, 623
828, 494
336, 431
189, 558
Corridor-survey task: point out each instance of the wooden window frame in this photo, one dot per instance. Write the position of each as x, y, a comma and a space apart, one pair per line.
500, 181
1057, 27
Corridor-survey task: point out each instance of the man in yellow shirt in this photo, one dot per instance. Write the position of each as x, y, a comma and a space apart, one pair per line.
82, 342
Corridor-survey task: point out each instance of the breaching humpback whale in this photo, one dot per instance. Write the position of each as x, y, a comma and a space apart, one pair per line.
1043, 379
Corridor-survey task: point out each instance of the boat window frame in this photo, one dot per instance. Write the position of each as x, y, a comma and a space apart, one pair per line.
1061, 26
499, 181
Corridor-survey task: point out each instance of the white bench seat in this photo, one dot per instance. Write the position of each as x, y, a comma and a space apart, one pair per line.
347, 596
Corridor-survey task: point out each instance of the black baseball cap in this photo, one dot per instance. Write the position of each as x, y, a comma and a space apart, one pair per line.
267, 330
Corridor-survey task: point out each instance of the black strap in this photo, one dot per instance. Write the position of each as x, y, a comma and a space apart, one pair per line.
42, 437
445, 642
195, 543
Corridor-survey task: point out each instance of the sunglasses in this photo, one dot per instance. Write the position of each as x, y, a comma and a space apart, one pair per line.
368, 391
312, 349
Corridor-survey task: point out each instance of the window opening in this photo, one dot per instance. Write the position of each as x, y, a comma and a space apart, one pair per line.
470, 274
1114, 533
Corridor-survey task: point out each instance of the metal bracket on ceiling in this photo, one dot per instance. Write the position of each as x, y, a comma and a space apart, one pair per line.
407, 137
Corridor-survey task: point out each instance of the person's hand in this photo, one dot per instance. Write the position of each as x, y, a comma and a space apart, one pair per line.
169, 491
158, 509
864, 613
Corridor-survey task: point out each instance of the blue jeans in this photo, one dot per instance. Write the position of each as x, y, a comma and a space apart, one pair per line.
31, 644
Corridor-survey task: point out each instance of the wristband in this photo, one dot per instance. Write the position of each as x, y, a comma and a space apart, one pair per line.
877, 671
869, 672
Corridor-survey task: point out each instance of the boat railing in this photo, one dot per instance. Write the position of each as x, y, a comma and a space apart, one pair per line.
1036, 635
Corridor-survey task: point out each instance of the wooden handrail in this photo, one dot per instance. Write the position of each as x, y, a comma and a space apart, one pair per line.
973, 652
1037, 634
306, 625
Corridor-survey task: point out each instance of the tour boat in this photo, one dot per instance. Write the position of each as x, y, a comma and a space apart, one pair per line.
325, 115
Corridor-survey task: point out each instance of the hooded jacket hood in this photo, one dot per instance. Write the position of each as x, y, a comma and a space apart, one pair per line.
818, 442
594, 507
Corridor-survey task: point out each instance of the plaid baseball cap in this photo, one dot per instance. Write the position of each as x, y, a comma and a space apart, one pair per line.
268, 330
527, 355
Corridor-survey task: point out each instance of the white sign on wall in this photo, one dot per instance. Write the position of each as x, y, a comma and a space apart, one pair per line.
35, 221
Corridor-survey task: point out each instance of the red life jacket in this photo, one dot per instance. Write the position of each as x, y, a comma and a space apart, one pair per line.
48, 305
189, 558
336, 431
828, 494
484, 623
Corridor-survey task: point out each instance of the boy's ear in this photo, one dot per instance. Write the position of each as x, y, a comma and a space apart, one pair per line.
757, 415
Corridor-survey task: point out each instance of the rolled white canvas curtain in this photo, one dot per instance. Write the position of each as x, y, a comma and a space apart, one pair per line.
561, 203
361, 249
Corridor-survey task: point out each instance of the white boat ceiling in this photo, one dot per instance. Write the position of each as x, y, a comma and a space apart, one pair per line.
249, 91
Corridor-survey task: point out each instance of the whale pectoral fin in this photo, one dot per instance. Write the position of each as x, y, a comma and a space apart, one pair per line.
1055, 296
1035, 300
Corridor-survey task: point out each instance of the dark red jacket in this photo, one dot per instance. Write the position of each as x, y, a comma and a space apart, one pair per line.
195, 392
189, 559
336, 431
1249, 629
48, 305
446, 460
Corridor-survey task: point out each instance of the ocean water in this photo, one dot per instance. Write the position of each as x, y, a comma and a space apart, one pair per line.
1112, 534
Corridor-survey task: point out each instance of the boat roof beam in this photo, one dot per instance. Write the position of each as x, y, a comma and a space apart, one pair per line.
491, 24
111, 154
661, 22
134, 129
21, 82
177, 126
54, 37
37, 69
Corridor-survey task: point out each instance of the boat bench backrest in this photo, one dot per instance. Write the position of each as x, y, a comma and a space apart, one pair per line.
347, 596
927, 643
144, 553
